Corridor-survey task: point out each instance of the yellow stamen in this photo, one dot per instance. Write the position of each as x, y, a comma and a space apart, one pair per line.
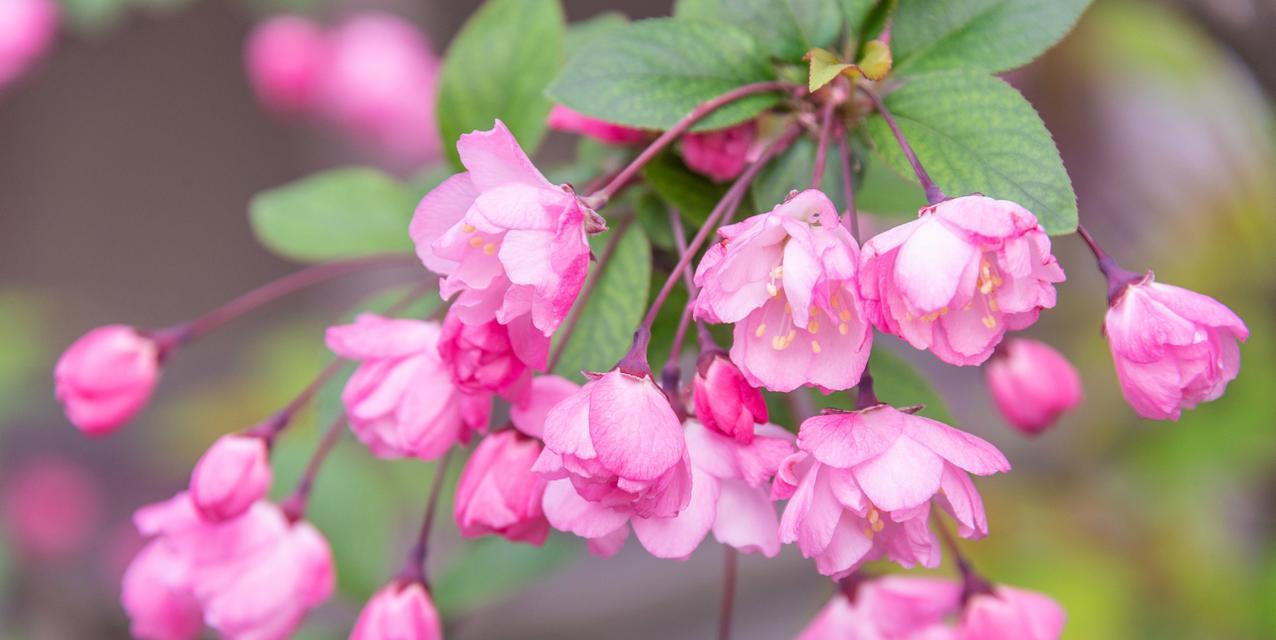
815, 346
813, 326
843, 328
844, 315
879, 525
476, 241
989, 321
489, 248
760, 331
772, 290
468, 228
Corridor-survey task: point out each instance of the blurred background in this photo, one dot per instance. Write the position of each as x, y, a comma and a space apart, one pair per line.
129, 151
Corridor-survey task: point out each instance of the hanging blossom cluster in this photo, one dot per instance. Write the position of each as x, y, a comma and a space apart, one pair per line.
670, 462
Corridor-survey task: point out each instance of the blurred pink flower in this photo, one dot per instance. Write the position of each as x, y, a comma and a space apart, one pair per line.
106, 377
506, 240
284, 57
724, 400
1007, 613
888, 607
1032, 384
401, 610
27, 29
786, 278
498, 492
402, 401
1173, 348
562, 118
493, 357
720, 154
957, 278
52, 507
232, 475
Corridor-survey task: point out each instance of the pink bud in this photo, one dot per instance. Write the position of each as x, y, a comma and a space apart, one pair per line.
488, 357
232, 475
499, 493
724, 400
1032, 384
720, 154
283, 56
1173, 348
106, 377
1008, 613
399, 611
27, 28
562, 118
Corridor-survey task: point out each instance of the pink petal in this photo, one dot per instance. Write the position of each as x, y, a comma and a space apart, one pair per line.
495, 158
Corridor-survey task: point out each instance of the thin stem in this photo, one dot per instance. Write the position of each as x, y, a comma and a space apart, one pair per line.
972, 582
730, 560
933, 193
415, 569
599, 199
850, 218
1117, 277
821, 150
294, 506
565, 332
865, 397
673, 370
704, 339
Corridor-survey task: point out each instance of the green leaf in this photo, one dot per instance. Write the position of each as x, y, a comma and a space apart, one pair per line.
883, 192
652, 214
856, 13
614, 308
341, 213
825, 65
652, 73
497, 67
691, 193
979, 35
792, 172
599, 27
786, 28
490, 569
706, 10
975, 133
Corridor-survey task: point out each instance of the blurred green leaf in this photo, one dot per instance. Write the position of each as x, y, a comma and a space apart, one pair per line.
341, 213
497, 67
490, 569
692, 194
786, 28
792, 171
651, 73
856, 13
975, 133
978, 35
883, 192
599, 27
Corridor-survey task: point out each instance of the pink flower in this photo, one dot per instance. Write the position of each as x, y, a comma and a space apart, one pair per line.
720, 154
231, 476
957, 278
1008, 613
492, 357
562, 118
528, 415
862, 485
52, 507
1032, 384
498, 492
1173, 348
254, 576
506, 240
27, 28
402, 401
284, 57
378, 85
888, 607
106, 377
787, 280
724, 400
401, 610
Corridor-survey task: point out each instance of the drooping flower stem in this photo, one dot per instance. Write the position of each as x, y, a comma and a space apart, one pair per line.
850, 218
672, 371
599, 199
294, 506
565, 332
865, 397
415, 568
972, 583
821, 150
1117, 277
730, 562
933, 193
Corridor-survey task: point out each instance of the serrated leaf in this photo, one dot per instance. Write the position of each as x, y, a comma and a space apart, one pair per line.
652, 73
691, 193
792, 170
824, 66
981, 35
498, 67
341, 213
786, 28
614, 308
975, 133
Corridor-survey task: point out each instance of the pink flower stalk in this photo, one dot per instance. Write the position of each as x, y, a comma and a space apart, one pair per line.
283, 58
254, 576
1007, 613
52, 507
787, 280
1173, 348
724, 400
106, 377
231, 476
498, 492
402, 400
402, 610
528, 415
861, 487
507, 242
27, 29
888, 607
378, 84
957, 278
1032, 384
492, 357
562, 118
721, 154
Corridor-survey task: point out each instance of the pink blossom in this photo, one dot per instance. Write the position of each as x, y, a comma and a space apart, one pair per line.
231, 476
1007, 613
528, 415
498, 492
402, 610
957, 278
787, 280
27, 28
106, 377
508, 242
52, 507
402, 400
284, 57
1032, 384
562, 118
1173, 348
720, 154
724, 400
378, 84
888, 607
861, 487
254, 576
493, 357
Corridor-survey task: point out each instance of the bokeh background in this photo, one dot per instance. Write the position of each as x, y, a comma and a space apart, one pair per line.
128, 156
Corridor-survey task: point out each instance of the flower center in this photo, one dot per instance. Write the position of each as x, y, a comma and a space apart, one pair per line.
478, 240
